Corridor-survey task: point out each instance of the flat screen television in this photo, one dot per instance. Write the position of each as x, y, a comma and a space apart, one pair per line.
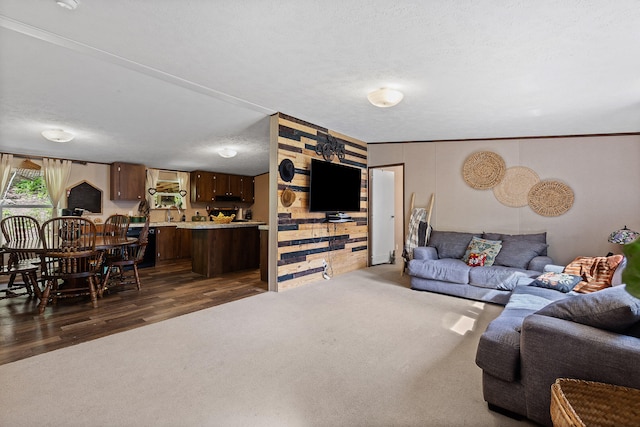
334, 187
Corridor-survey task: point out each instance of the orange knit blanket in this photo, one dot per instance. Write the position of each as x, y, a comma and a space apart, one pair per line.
596, 272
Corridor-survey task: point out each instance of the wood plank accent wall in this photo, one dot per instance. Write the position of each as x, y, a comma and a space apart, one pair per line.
304, 238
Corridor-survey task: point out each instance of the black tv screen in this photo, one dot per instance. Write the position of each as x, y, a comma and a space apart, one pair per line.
334, 187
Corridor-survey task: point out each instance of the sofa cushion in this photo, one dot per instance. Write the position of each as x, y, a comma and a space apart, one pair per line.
488, 247
446, 270
562, 282
518, 250
497, 277
450, 244
613, 309
499, 348
533, 238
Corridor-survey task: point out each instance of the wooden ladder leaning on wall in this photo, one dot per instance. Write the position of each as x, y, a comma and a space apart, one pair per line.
426, 214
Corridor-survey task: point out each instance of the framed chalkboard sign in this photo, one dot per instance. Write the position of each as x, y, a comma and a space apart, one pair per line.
85, 196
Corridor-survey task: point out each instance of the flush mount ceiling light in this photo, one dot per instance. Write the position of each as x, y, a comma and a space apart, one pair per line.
385, 97
227, 153
67, 4
58, 135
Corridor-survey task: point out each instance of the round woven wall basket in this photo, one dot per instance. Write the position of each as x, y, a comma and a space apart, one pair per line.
550, 198
483, 170
513, 190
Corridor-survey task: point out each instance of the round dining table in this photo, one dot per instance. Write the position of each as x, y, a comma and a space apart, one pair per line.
103, 243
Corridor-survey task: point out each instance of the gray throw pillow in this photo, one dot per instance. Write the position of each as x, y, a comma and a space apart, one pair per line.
535, 238
450, 244
518, 252
613, 309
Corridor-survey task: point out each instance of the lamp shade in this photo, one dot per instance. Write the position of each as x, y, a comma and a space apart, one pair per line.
385, 97
623, 236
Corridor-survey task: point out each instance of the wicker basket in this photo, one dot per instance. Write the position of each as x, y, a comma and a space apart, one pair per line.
588, 403
221, 219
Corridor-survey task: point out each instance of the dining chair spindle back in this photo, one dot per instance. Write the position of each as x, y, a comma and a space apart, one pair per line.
69, 261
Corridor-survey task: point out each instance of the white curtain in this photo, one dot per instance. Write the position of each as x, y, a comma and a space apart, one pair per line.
56, 175
5, 172
151, 182
183, 181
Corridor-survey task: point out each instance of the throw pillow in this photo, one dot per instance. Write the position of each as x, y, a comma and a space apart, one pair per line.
596, 272
450, 244
488, 247
613, 309
533, 238
562, 282
477, 260
518, 250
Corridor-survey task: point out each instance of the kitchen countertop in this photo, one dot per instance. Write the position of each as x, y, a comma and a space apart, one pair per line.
198, 224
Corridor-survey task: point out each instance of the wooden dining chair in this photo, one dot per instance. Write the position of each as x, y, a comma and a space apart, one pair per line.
116, 225
21, 229
124, 270
69, 262
26, 270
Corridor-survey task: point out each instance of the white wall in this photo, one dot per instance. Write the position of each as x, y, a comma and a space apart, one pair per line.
604, 173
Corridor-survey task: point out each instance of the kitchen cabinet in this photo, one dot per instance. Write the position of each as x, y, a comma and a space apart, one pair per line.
202, 186
222, 250
172, 243
216, 186
227, 185
127, 181
166, 243
248, 189
184, 243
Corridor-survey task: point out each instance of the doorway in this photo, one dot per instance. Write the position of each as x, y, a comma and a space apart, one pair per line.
386, 213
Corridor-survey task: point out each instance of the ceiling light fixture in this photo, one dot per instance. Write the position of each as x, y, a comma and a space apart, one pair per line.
58, 135
385, 97
67, 4
227, 153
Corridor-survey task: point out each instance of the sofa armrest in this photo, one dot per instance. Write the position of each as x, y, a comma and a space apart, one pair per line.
425, 253
553, 268
538, 263
552, 348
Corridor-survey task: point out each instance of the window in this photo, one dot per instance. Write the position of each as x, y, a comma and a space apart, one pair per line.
26, 195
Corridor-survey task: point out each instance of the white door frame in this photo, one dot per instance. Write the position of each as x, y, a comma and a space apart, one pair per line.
399, 205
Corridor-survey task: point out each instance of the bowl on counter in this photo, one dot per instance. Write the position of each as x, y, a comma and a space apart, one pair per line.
222, 219
136, 219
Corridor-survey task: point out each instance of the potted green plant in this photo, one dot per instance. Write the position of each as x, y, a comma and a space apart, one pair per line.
631, 273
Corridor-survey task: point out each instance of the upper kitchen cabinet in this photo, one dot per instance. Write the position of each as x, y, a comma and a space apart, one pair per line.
127, 181
221, 187
248, 189
227, 187
202, 188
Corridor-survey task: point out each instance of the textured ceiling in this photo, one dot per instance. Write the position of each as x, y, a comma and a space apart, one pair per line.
166, 83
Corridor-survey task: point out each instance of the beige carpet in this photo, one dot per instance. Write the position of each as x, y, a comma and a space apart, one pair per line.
358, 350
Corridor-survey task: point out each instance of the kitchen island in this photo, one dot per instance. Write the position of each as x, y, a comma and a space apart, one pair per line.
223, 248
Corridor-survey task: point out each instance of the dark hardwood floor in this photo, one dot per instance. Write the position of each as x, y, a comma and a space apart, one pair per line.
167, 291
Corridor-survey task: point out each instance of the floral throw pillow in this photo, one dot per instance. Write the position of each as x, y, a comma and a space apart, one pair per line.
562, 282
477, 260
489, 247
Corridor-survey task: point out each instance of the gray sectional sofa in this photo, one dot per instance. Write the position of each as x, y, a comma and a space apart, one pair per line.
543, 334
440, 266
